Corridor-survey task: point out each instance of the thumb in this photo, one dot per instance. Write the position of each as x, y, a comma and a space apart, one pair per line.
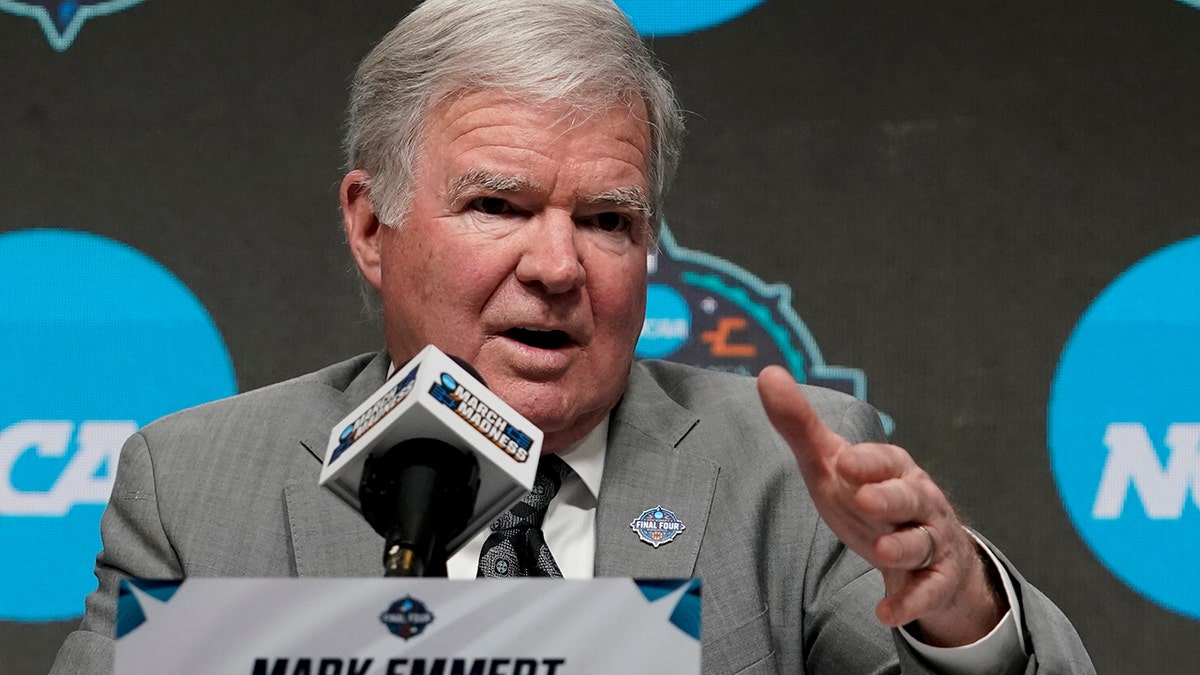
811, 440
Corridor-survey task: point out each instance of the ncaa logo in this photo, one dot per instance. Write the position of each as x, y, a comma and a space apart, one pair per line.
61, 19
99, 340
661, 18
1124, 427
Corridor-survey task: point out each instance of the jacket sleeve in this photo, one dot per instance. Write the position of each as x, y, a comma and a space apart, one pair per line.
134, 545
1055, 647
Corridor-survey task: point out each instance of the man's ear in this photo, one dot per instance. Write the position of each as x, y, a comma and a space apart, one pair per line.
362, 226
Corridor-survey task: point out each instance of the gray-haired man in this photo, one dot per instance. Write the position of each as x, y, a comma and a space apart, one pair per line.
507, 164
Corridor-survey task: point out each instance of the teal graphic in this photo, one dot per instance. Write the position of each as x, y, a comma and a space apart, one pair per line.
130, 614
706, 311
98, 340
61, 19
661, 18
1124, 427
686, 616
1193, 3
668, 323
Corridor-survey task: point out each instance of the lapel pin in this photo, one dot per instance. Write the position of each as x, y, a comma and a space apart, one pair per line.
657, 526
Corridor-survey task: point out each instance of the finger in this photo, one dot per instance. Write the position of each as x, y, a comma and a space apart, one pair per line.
874, 462
926, 592
919, 592
809, 437
895, 502
908, 548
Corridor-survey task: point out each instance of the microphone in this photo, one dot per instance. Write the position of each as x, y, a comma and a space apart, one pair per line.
418, 495
430, 459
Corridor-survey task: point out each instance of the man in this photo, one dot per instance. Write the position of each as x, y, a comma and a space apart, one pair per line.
507, 162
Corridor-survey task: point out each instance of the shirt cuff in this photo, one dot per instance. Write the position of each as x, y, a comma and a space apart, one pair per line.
1004, 644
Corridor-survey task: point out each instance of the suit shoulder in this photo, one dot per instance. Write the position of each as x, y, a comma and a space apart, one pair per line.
709, 393
697, 388
281, 402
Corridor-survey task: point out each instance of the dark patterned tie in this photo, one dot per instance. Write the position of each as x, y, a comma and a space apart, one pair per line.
516, 547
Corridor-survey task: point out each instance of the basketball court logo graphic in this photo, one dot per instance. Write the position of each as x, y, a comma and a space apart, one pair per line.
706, 311
61, 19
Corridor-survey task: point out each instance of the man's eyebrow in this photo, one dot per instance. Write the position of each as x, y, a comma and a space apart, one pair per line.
631, 197
477, 180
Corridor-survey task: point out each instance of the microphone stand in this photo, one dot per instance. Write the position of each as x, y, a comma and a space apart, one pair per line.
418, 496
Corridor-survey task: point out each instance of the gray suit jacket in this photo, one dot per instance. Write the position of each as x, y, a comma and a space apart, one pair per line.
230, 489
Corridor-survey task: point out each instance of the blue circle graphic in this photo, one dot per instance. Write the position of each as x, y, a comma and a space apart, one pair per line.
99, 340
668, 323
1124, 427
662, 18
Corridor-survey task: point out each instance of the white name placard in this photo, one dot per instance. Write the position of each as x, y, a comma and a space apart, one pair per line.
205, 626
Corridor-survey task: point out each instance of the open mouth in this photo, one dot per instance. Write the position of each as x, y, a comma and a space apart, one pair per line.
541, 339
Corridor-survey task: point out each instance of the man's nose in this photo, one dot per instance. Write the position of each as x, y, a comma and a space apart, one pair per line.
551, 257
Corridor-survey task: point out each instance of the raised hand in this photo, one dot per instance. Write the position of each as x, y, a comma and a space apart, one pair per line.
888, 510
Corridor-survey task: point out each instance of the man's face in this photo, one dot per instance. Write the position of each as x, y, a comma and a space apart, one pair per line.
524, 253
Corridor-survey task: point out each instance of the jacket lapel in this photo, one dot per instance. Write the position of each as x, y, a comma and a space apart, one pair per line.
644, 469
328, 538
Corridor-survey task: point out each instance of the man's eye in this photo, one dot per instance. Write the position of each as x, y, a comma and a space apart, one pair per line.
492, 206
610, 221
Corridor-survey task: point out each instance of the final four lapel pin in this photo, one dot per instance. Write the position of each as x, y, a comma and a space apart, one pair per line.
657, 526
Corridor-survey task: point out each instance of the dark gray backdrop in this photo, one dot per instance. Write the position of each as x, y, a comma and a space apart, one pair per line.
946, 186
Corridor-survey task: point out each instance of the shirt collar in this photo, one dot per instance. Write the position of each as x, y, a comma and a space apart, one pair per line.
586, 456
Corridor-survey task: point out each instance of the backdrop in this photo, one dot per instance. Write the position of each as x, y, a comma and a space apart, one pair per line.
981, 217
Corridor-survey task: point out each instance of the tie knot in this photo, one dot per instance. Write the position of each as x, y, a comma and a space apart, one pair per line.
551, 473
